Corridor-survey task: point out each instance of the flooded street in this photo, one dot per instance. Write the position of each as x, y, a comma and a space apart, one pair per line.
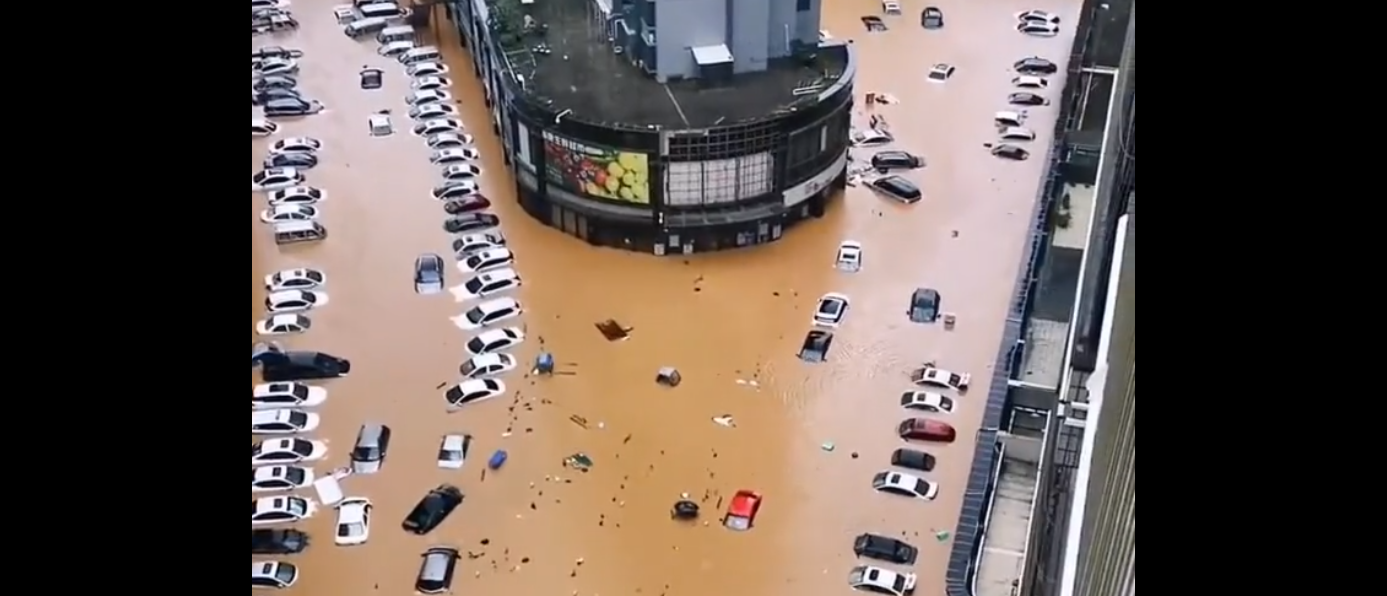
718, 318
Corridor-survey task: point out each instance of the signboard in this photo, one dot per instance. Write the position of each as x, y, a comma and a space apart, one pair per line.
597, 172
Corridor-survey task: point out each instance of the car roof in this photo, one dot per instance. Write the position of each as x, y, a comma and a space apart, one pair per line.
475, 385
499, 304
371, 432
286, 295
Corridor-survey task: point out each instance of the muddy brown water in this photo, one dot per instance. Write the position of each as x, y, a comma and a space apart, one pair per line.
718, 318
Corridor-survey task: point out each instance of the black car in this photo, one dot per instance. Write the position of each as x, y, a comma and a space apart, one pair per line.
302, 161
260, 98
292, 106
910, 458
274, 82
883, 548
924, 305
468, 222
277, 542
1035, 65
372, 78
277, 365
1011, 152
436, 572
275, 52
428, 274
897, 188
932, 18
815, 346
433, 509
1027, 99
885, 161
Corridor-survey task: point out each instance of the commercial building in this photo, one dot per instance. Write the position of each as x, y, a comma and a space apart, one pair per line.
718, 131
1051, 504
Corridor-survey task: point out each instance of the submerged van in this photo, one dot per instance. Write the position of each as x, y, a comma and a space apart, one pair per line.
362, 27
299, 231
393, 34
421, 54
385, 10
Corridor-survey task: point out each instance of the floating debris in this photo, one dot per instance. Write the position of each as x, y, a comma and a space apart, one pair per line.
725, 420
578, 420
578, 461
613, 330
669, 377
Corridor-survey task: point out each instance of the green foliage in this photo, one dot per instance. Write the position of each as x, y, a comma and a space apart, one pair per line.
507, 22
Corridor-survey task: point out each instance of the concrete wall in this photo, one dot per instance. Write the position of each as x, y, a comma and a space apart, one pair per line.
747, 24
685, 24
754, 30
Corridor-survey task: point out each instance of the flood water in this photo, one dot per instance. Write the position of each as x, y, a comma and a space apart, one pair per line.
718, 318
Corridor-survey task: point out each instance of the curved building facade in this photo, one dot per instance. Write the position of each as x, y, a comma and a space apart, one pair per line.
701, 177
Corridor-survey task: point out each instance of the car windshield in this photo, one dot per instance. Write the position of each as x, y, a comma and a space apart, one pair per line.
954, 379
468, 367
946, 403
475, 315
351, 529
295, 475
447, 455
829, 307
858, 574
302, 448
476, 345
474, 261
298, 419
284, 573
299, 391
899, 584
298, 507
473, 285
921, 487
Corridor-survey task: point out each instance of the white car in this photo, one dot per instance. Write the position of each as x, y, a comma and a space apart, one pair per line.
438, 125
487, 365
1030, 82
473, 391
428, 96
299, 278
849, 257
295, 301
470, 243
449, 140
461, 171
273, 574
486, 314
486, 260
275, 478
831, 309
288, 213
1039, 16
273, 396
296, 195
296, 145
283, 324
286, 451
871, 138
938, 377
263, 4
455, 189
282, 422
260, 127
274, 66
495, 340
427, 69
395, 48
427, 83
455, 155
452, 452
905, 485
1017, 133
433, 111
267, 511
274, 179
487, 284
940, 72
882, 581
353, 521
1038, 29
927, 401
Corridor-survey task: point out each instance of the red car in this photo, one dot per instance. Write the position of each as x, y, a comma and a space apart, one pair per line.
741, 513
466, 204
924, 429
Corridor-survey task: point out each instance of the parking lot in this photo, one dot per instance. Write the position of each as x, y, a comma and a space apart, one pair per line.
808, 437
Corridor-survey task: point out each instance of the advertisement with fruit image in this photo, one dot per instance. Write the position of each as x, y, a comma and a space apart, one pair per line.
599, 173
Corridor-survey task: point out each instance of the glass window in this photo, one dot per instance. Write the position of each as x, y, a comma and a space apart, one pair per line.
803, 5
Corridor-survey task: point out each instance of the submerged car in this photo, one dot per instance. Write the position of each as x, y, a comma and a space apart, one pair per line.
885, 548
1027, 99
473, 391
1035, 65
881, 581
436, 571
897, 188
924, 429
884, 161
432, 509
927, 401
268, 541
849, 257
470, 222
912, 459
831, 309
1010, 152
815, 346
905, 485
938, 377
741, 512
428, 274
278, 365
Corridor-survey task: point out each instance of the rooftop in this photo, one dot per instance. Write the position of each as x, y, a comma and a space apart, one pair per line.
583, 74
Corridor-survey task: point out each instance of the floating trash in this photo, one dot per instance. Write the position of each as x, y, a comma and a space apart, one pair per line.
578, 461
613, 330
